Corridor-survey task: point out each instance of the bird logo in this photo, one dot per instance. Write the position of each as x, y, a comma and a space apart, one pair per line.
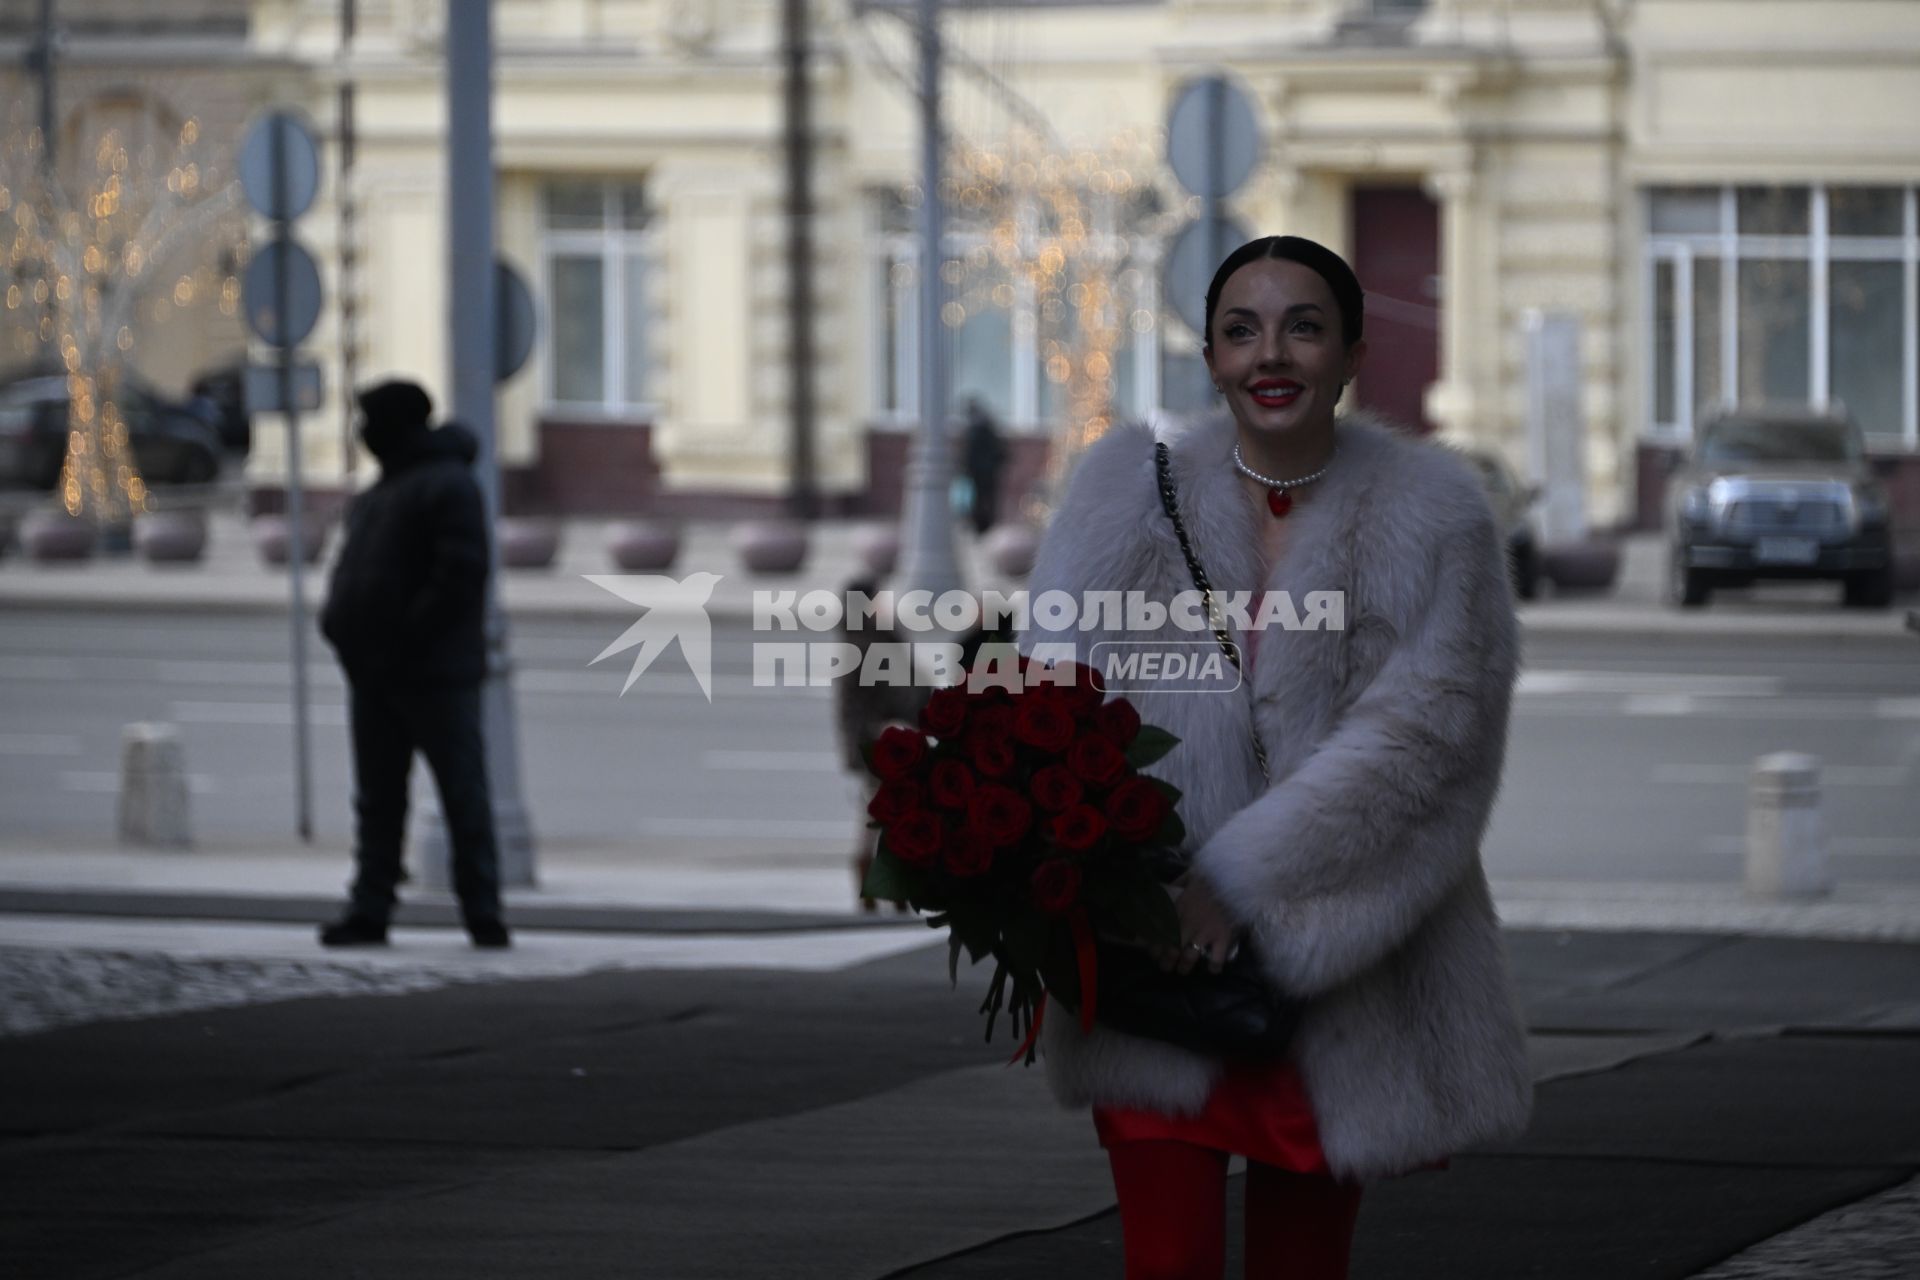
675, 610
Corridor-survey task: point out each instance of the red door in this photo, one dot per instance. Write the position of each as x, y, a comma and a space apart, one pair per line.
1396, 254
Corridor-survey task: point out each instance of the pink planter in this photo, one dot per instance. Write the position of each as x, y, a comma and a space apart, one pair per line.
1011, 548
1592, 565
528, 544
771, 546
640, 546
171, 537
878, 548
271, 540
54, 537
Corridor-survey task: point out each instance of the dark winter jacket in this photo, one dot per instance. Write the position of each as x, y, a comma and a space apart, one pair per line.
407, 600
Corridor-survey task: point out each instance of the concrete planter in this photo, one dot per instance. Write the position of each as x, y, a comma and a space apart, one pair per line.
643, 546
54, 537
171, 537
771, 546
877, 547
1011, 548
1589, 566
1906, 568
528, 544
271, 540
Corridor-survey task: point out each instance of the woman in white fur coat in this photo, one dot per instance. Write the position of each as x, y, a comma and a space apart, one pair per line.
1353, 867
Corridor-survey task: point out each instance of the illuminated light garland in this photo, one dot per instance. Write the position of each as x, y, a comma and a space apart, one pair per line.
85, 250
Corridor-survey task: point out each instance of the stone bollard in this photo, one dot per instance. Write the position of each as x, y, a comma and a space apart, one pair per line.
153, 787
1786, 840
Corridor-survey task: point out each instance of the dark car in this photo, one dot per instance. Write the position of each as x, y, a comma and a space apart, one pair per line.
1513, 505
172, 443
1781, 494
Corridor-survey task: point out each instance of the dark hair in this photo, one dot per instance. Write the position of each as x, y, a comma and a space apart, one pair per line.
1319, 259
396, 403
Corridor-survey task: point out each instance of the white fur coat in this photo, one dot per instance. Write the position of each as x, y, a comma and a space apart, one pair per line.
1357, 871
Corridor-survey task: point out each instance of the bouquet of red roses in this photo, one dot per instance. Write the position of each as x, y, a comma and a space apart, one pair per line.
1018, 819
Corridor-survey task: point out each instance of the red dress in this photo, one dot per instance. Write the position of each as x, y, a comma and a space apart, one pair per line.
1257, 1110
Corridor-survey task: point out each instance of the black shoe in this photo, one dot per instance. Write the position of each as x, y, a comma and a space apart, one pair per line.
490, 934
354, 931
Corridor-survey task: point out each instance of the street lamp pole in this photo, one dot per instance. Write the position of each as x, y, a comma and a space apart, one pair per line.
472, 329
928, 560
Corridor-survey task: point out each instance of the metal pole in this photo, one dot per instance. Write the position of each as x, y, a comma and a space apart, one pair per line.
472, 307
928, 562
349, 288
1216, 103
296, 540
43, 61
804, 497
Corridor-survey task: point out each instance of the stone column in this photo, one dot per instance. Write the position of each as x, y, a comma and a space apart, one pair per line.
1453, 402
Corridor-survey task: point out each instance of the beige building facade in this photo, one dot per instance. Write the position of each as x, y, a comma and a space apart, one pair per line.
1721, 192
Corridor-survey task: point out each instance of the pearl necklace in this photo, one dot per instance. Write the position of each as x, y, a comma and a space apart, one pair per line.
1279, 501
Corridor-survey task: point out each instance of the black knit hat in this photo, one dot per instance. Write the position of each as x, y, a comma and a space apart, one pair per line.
1314, 256
396, 404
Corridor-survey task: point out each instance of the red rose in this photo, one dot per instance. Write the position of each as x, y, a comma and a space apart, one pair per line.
994, 720
1056, 885
1042, 721
916, 839
992, 756
967, 851
1118, 720
898, 752
951, 784
945, 713
1094, 757
894, 801
1082, 686
1078, 829
1001, 813
1055, 788
1136, 809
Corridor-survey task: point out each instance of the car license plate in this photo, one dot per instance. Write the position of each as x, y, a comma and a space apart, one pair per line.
1786, 551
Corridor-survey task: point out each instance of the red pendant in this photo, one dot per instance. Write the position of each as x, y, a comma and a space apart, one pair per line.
1279, 501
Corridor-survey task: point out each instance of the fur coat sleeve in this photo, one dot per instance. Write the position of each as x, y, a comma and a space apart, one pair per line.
1337, 863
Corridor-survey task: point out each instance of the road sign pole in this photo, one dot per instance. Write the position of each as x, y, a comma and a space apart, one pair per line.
1216, 111
927, 554
474, 320
296, 534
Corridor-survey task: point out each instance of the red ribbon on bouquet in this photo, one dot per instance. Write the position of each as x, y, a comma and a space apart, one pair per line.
1089, 984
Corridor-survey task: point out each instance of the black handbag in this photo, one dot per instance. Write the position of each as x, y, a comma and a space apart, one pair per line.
1236, 1013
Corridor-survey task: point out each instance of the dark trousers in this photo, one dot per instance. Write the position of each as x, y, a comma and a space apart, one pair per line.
389, 723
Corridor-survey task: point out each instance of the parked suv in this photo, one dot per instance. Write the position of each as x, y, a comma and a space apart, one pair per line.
1779, 493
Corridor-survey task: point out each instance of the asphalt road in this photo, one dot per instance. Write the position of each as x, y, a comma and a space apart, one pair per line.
1629, 760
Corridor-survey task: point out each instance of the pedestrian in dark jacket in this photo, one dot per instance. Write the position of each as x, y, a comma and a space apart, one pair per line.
406, 613
985, 453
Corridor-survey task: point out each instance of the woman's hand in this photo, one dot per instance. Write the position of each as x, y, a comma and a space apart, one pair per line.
1206, 930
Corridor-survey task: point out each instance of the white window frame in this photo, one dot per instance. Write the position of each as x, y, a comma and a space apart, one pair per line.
1819, 248
613, 244
1024, 366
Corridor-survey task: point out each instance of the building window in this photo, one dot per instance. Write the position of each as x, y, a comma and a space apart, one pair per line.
1005, 347
596, 252
1784, 294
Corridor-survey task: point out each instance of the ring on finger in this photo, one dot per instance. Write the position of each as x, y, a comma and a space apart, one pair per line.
1194, 946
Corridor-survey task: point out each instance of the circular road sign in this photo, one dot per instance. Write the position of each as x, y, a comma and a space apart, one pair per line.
514, 321
279, 166
282, 321
1213, 139
1191, 262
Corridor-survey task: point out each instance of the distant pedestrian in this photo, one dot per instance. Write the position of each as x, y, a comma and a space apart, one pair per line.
405, 613
985, 453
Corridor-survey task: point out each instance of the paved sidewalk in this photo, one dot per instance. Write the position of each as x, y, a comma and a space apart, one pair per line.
232, 578
1725, 1106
